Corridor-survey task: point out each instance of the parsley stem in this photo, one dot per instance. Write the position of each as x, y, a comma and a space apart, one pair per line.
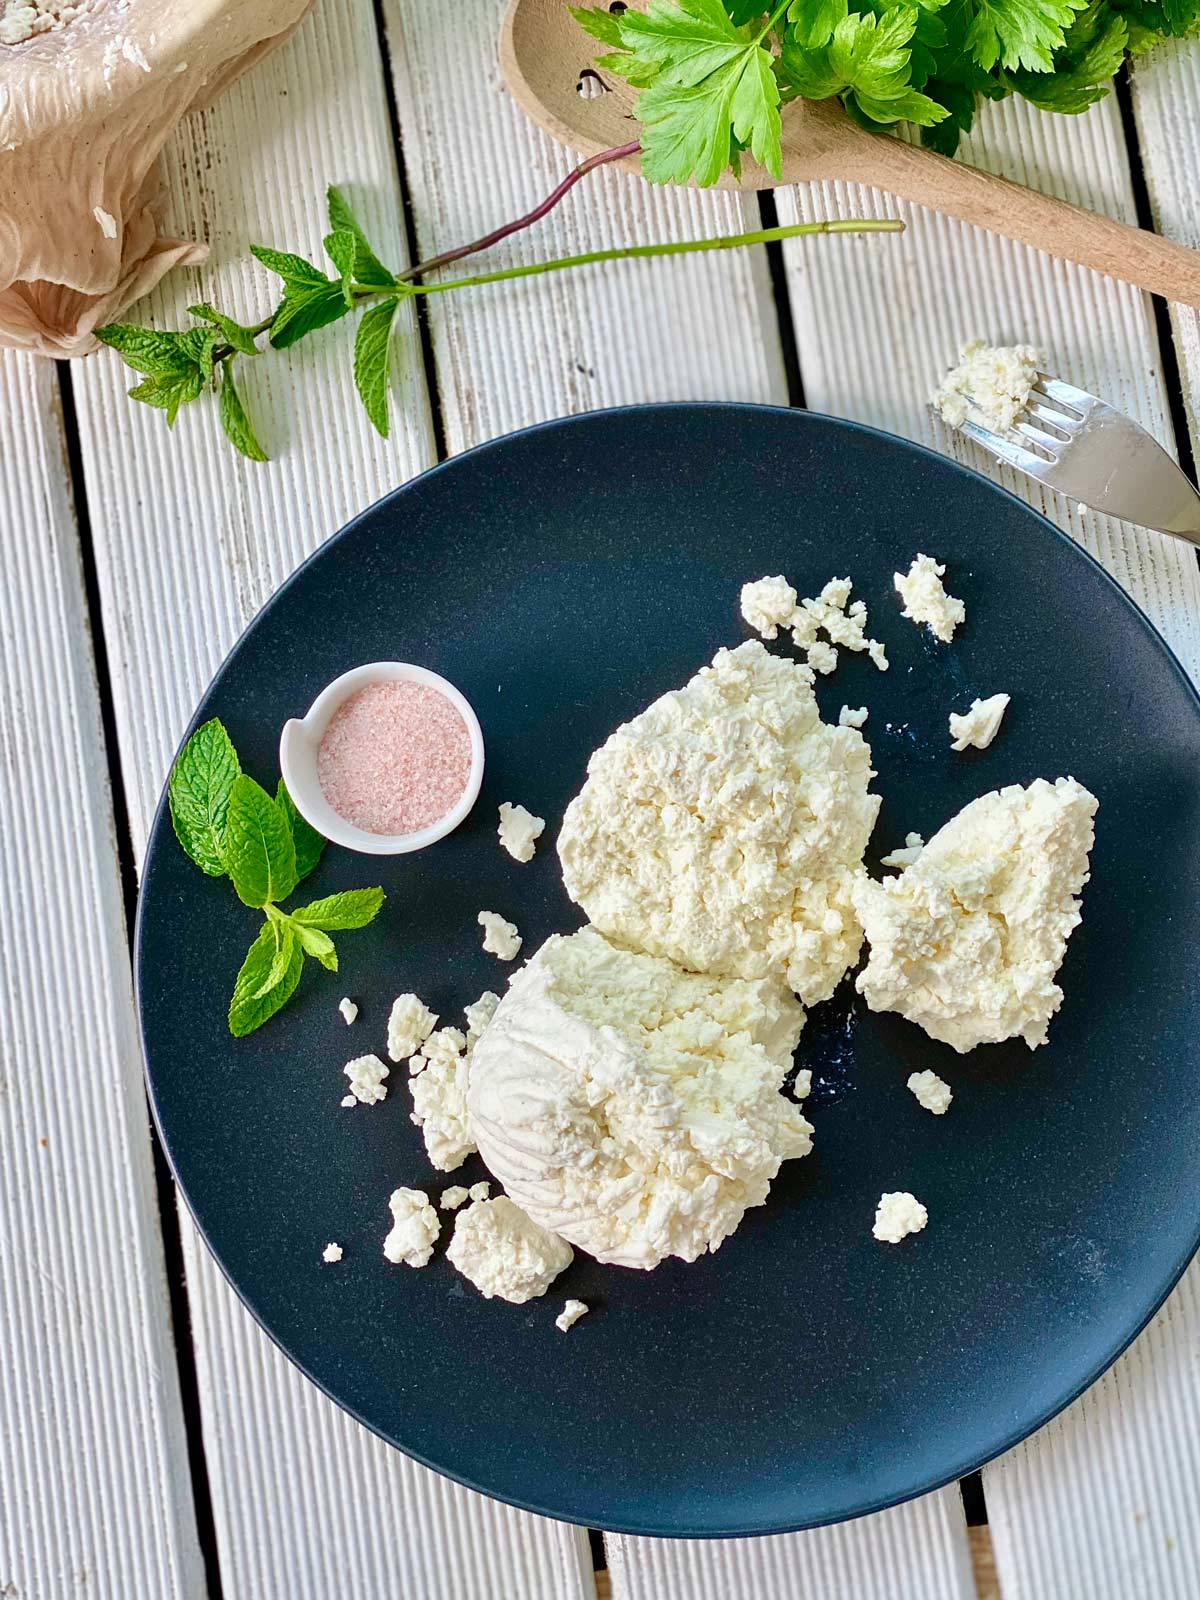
730, 241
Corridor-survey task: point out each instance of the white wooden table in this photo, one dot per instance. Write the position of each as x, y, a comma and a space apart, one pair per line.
153, 1443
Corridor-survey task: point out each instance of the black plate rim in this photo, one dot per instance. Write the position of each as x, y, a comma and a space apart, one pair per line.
160, 828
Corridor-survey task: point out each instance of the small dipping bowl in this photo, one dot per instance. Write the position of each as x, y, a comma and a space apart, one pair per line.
301, 740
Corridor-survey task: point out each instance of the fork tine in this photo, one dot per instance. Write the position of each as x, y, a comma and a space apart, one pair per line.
1066, 426
1066, 394
1004, 450
1049, 442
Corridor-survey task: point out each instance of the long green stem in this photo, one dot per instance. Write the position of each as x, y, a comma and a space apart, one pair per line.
732, 241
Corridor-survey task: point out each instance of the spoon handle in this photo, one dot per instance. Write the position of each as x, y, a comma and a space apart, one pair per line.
1040, 220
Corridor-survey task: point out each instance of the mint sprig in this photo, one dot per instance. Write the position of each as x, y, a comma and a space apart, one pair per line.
180, 367
231, 827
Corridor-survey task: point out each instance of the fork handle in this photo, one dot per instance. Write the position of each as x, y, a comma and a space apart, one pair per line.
1040, 220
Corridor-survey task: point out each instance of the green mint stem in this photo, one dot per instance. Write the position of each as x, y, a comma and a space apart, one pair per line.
732, 241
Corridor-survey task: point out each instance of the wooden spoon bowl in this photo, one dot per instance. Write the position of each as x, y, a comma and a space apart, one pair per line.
546, 59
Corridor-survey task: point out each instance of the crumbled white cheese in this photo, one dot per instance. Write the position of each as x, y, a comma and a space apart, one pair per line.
409, 1025
633, 1108
480, 1191
980, 725
25, 19
454, 1197
897, 1215
106, 220
877, 654
570, 1315
347, 1100
934, 1093
913, 845
415, 1228
967, 940
990, 386
366, 1075
822, 657
519, 831
438, 1084
500, 938
768, 605
848, 718
349, 1010
332, 1253
505, 1253
479, 1014
724, 828
925, 599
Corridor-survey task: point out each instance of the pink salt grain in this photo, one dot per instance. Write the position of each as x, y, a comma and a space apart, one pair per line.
396, 757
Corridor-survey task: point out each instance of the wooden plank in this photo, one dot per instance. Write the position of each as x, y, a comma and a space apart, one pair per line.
1087, 1507
917, 1551
95, 1489
190, 541
688, 328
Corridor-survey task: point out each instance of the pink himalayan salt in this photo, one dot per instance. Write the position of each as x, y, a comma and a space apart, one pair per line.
396, 757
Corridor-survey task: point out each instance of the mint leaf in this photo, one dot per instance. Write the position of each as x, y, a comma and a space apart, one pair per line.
257, 848
241, 338
198, 794
1020, 33
291, 268
285, 949
309, 844
169, 392
250, 1005
304, 308
317, 944
369, 271
372, 361
145, 349
234, 420
353, 908
198, 345
339, 247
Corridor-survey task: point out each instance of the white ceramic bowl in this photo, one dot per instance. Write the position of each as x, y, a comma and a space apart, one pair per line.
301, 739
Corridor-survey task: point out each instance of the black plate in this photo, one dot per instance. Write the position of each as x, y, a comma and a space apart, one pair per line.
562, 578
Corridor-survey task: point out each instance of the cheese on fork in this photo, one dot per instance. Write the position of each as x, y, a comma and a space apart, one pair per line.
724, 828
966, 942
990, 385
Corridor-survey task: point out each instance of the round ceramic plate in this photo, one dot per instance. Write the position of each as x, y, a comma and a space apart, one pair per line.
563, 578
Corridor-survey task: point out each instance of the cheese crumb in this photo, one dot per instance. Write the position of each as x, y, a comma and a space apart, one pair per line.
347, 1100
409, 1025
570, 1315
913, 845
897, 1215
438, 1085
21, 20
980, 725
925, 599
822, 657
768, 604
852, 719
366, 1075
106, 220
415, 1228
331, 1253
479, 1015
349, 1010
500, 938
966, 942
454, 1197
480, 1191
504, 1253
519, 831
934, 1093
990, 386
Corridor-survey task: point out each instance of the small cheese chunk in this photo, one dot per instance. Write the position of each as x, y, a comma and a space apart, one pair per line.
478, 1016
500, 938
415, 1228
897, 1215
913, 845
480, 1191
980, 725
366, 1075
347, 1100
331, 1253
349, 1010
822, 657
438, 1085
768, 605
934, 1093
925, 598
454, 1197
990, 386
570, 1315
505, 1253
852, 719
409, 1025
519, 831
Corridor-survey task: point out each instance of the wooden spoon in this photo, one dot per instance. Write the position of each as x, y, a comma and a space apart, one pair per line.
546, 58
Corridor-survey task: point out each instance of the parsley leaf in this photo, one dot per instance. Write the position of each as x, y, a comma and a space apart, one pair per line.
1094, 50
198, 794
869, 62
1020, 33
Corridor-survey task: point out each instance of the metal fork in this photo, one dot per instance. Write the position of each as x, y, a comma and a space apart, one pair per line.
1077, 444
